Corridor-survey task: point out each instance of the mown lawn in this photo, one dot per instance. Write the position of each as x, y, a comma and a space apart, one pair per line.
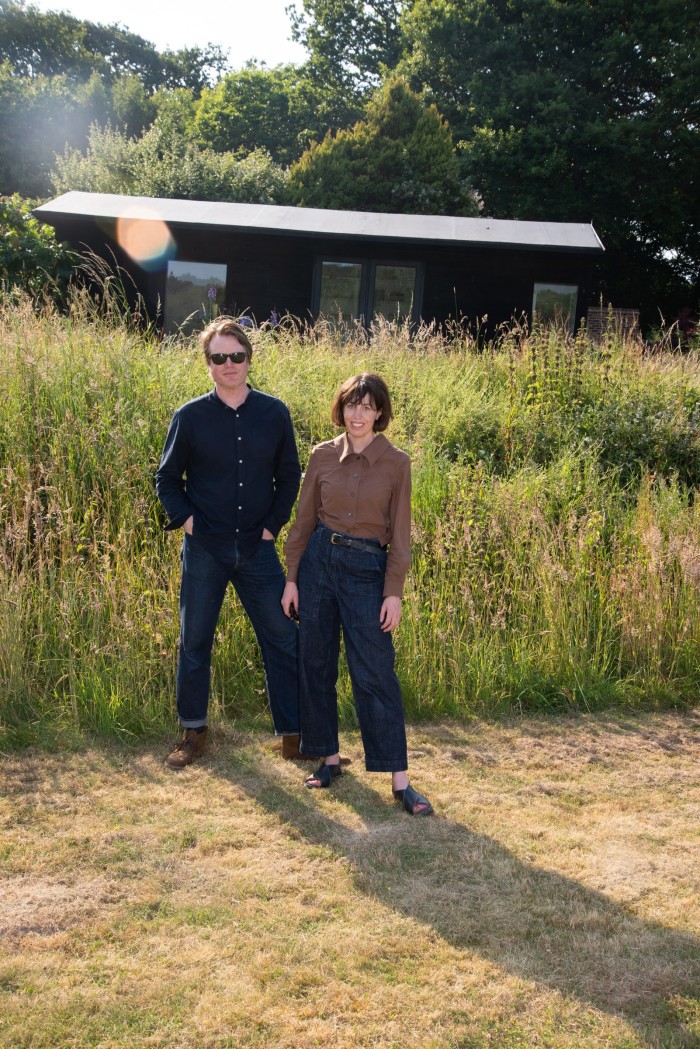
552, 901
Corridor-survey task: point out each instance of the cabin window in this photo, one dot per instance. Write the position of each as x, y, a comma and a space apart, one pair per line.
394, 292
355, 290
194, 295
555, 304
341, 290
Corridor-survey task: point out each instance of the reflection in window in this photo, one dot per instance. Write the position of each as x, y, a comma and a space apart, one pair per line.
394, 292
341, 283
194, 295
555, 304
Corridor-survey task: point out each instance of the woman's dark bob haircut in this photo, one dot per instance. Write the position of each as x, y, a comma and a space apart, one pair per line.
354, 391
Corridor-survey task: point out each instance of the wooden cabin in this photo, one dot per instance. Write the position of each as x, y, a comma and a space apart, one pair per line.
190, 260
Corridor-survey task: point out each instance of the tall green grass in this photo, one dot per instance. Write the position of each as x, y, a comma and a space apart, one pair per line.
556, 537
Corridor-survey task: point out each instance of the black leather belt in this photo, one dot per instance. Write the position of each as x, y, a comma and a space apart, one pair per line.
367, 546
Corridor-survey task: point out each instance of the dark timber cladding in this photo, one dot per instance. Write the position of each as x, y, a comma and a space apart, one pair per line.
303, 261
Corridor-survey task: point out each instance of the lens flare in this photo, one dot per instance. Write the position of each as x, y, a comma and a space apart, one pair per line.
146, 239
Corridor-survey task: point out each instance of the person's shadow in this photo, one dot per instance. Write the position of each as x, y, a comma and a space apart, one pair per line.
472, 891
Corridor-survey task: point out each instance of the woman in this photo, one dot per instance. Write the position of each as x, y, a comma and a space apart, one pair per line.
347, 557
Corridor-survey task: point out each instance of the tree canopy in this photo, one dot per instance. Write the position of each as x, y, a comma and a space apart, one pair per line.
272, 109
59, 76
575, 110
350, 43
399, 158
54, 43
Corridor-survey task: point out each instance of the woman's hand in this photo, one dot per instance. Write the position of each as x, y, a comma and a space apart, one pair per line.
188, 525
290, 600
390, 615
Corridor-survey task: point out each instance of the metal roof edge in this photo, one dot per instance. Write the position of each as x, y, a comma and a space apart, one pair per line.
369, 226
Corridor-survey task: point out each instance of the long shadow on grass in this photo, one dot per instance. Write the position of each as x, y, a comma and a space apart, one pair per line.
481, 898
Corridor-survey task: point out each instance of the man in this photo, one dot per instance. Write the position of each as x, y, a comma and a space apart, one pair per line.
228, 476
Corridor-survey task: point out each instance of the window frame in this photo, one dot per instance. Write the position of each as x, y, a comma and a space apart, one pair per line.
419, 269
550, 285
318, 279
172, 326
368, 283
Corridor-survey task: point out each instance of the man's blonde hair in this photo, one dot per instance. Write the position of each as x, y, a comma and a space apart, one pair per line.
225, 326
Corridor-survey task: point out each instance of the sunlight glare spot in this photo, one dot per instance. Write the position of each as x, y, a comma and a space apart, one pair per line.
146, 239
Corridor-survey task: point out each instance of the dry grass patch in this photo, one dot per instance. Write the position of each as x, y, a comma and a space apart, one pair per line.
553, 901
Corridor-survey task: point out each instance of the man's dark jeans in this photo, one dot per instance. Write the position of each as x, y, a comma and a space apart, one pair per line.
340, 587
258, 579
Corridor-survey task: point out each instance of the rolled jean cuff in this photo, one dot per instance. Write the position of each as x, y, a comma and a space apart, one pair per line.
312, 751
401, 765
193, 724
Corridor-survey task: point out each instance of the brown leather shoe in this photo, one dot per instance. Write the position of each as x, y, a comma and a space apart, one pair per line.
291, 752
191, 746
290, 749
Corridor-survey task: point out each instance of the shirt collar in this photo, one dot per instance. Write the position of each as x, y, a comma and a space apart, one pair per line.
371, 453
217, 400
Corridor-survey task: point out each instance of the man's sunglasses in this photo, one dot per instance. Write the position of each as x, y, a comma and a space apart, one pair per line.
237, 357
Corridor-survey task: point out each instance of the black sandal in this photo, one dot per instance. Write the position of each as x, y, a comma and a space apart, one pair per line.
409, 798
324, 774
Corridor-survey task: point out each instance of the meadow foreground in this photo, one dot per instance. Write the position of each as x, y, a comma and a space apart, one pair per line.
552, 901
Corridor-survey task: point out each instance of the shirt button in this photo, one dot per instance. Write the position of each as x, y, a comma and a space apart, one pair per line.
240, 507
349, 512
240, 460
239, 438
240, 484
353, 494
355, 476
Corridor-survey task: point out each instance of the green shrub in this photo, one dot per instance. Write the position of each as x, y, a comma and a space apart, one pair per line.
31, 259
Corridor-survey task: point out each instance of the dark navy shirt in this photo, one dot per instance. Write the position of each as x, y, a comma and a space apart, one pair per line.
235, 470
